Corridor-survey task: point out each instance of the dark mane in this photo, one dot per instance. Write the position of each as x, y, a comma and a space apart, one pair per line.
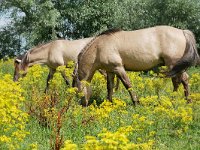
110, 31
85, 48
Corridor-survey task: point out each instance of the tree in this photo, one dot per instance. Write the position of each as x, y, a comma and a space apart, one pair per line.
10, 43
38, 21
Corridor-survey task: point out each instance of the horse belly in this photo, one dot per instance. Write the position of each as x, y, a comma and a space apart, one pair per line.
141, 62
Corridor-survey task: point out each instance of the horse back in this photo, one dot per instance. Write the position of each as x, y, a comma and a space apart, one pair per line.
143, 49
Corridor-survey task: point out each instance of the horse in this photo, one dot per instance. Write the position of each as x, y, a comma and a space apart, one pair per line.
116, 51
53, 54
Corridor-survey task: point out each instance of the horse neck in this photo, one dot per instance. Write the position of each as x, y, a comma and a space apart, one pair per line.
38, 55
86, 62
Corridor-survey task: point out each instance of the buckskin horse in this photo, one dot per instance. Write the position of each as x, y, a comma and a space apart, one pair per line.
53, 54
116, 51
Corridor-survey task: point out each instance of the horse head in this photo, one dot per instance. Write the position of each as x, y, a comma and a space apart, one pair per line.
20, 64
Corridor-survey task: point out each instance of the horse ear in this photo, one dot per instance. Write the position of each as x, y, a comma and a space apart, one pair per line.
18, 61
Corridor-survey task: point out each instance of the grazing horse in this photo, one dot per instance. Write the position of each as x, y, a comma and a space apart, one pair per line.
116, 51
53, 54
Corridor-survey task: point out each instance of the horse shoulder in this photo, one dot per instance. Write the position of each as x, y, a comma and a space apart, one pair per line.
107, 51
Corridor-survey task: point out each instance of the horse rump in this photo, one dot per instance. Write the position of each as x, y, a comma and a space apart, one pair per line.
190, 57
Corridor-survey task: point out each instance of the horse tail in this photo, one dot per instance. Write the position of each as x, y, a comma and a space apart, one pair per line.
190, 56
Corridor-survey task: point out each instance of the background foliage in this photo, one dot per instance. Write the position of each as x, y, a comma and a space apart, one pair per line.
37, 21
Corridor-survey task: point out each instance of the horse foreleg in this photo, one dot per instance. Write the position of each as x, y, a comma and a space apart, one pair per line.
110, 85
121, 73
49, 77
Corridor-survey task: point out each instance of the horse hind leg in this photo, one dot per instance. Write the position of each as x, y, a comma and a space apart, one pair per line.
182, 78
176, 82
121, 74
185, 82
117, 84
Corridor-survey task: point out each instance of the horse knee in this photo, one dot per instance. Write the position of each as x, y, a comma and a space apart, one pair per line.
121, 74
185, 81
185, 78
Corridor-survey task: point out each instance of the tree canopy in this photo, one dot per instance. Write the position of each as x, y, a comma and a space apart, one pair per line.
38, 21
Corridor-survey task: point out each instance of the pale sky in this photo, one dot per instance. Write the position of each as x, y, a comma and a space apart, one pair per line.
4, 20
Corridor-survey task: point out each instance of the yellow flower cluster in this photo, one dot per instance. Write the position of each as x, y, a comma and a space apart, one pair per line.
168, 111
98, 85
143, 85
194, 82
69, 145
104, 110
114, 140
12, 118
107, 140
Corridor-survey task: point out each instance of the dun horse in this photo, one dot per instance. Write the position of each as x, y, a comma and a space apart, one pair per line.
53, 54
116, 51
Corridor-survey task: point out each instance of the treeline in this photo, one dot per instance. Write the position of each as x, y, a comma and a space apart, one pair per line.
38, 21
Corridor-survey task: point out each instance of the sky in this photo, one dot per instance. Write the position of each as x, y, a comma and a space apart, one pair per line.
4, 20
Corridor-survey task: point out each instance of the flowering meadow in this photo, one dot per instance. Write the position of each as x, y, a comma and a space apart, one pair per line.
32, 119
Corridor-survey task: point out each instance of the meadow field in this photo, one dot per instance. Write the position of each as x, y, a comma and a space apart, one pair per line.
31, 119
